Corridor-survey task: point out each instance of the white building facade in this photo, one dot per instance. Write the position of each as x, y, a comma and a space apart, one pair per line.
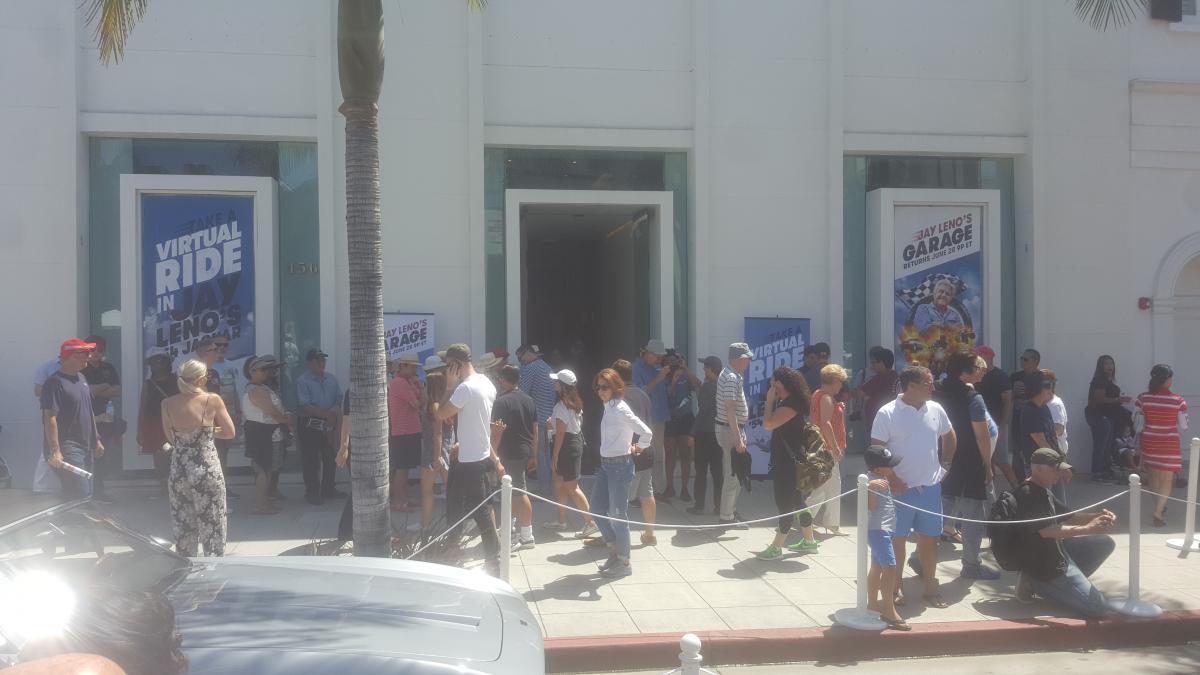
586, 175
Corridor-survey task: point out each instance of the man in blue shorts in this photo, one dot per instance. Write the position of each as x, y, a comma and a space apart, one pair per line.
911, 426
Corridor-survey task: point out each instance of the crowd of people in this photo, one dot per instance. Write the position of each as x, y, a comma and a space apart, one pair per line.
937, 448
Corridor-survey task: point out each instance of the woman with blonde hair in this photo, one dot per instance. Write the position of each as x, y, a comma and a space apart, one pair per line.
192, 419
829, 414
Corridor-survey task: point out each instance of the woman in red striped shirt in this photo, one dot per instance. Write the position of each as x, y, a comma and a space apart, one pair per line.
1165, 413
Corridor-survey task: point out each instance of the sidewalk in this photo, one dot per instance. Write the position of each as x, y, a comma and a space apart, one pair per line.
702, 581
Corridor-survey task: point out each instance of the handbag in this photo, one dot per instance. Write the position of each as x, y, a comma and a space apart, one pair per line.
814, 462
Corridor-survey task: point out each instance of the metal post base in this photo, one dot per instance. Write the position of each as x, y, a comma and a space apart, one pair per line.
1136, 608
1178, 544
859, 619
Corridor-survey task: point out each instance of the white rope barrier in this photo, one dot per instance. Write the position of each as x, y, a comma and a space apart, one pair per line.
1005, 522
682, 526
450, 529
1151, 493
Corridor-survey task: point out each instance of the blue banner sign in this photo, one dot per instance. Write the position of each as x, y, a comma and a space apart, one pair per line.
197, 272
775, 342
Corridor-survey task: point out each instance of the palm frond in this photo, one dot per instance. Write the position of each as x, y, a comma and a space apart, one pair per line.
1104, 13
112, 21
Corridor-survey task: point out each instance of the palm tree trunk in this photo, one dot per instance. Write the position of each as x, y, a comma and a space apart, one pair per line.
369, 459
360, 70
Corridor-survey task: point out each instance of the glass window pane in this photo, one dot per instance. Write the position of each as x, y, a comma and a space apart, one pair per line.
299, 260
108, 159
186, 157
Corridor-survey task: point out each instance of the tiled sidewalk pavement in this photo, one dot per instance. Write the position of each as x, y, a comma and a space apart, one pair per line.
693, 581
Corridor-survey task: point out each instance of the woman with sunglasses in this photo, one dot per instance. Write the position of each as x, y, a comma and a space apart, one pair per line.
610, 496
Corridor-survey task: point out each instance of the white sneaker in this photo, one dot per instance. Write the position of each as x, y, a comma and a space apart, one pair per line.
523, 544
556, 526
589, 530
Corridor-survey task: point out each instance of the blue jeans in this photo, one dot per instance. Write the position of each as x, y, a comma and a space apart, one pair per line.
75, 487
972, 533
1084, 557
545, 468
1102, 443
610, 497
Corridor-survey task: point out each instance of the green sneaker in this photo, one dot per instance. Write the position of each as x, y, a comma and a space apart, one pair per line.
772, 552
804, 546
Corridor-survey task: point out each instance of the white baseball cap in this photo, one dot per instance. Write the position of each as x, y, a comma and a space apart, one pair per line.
566, 377
655, 346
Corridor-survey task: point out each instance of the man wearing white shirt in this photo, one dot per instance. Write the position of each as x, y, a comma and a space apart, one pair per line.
911, 426
472, 399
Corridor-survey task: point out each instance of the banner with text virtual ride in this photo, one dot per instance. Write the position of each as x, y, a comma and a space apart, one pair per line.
197, 272
775, 343
939, 283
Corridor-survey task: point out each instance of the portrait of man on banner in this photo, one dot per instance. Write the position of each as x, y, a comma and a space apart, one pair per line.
938, 285
938, 323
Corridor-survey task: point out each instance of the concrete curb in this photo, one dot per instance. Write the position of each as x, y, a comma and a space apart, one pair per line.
842, 645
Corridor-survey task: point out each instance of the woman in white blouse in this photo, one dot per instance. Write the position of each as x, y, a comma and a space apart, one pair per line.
610, 496
566, 424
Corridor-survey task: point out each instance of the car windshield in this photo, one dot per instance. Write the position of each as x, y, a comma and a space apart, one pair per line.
81, 548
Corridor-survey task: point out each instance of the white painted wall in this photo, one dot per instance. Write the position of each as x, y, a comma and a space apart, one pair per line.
39, 248
1107, 179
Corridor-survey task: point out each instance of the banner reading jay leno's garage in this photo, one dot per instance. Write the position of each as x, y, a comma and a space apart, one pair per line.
939, 306
197, 272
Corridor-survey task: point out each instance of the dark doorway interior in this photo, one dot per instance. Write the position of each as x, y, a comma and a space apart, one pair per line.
585, 290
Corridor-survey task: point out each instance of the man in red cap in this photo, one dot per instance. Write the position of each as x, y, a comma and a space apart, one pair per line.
68, 422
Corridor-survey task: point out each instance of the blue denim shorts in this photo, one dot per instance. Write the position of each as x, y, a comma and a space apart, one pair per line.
928, 497
882, 553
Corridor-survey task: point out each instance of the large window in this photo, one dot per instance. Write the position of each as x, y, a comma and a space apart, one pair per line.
863, 174
293, 165
506, 168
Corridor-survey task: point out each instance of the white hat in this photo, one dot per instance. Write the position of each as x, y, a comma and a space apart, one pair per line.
655, 346
434, 362
409, 359
566, 377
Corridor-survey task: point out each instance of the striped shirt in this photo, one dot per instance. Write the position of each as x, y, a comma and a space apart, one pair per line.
729, 388
535, 381
1165, 414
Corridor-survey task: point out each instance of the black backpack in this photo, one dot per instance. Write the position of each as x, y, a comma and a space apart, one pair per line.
1006, 539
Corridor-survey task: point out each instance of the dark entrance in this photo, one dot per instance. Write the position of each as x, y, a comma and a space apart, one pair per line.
585, 290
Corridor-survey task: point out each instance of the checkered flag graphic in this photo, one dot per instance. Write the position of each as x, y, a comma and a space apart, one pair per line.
922, 292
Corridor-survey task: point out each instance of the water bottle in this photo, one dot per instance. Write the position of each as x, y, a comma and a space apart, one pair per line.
82, 473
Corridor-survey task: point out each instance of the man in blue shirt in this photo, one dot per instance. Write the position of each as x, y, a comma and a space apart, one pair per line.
535, 381
320, 400
649, 374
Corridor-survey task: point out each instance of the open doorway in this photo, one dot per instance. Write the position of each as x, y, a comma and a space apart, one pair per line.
586, 273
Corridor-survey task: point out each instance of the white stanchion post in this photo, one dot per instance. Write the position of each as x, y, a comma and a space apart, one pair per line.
1133, 605
859, 617
689, 655
1189, 543
505, 526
